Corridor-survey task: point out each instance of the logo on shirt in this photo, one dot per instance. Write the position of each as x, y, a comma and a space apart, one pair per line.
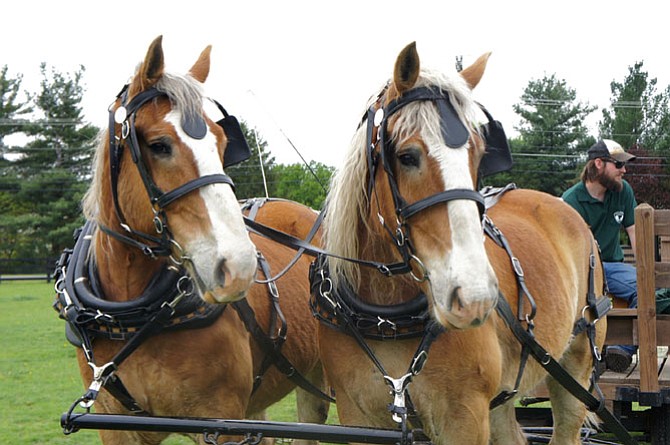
618, 216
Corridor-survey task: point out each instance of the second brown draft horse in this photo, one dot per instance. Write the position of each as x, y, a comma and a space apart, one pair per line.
405, 201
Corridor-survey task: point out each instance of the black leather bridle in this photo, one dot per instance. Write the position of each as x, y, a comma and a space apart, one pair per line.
455, 135
195, 126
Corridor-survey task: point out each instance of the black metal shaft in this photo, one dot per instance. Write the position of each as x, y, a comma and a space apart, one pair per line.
289, 430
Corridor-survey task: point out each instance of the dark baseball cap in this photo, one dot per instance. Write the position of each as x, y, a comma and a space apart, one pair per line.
607, 148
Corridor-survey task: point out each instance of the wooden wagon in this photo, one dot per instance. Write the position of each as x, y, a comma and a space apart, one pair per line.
640, 397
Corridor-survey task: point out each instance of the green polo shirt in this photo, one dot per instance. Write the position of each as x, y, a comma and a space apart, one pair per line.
605, 218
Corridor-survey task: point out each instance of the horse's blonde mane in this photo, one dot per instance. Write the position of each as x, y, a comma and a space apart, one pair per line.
90, 202
347, 204
185, 94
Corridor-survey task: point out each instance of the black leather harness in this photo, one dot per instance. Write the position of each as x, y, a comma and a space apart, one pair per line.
166, 304
194, 125
341, 309
89, 316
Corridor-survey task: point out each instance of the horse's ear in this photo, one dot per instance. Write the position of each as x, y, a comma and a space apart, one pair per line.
200, 69
473, 74
151, 69
406, 70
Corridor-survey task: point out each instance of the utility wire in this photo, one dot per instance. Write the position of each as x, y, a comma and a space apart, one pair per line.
309, 167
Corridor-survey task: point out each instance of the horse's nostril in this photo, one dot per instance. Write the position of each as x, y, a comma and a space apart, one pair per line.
220, 272
455, 297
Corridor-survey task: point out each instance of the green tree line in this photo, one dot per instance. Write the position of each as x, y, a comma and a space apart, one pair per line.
43, 178
550, 149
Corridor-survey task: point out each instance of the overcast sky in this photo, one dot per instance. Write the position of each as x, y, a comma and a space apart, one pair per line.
304, 70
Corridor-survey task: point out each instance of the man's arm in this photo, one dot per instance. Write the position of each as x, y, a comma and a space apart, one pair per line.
630, 230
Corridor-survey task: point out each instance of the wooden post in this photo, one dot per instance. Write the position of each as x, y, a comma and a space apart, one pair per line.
646, 298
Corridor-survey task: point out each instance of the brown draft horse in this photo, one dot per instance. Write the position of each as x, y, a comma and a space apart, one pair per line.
205, 372
421, 156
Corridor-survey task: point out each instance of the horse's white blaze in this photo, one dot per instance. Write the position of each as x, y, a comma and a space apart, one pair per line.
228, 243
464, 270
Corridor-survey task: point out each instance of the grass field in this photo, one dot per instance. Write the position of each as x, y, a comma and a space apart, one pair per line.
39, 377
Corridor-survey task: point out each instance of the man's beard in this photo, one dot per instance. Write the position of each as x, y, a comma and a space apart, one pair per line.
610, 183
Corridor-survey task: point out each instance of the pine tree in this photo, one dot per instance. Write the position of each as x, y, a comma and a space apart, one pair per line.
553, 130
53, 166
638, 114
12, 108
15, 106
59, 137
639, 120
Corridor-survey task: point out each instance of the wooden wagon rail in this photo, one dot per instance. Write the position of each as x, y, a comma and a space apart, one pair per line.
642, 326
647, 383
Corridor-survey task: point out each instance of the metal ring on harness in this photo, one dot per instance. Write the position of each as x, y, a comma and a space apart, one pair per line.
125, 129
399, 234
546, 359
178, 255
60, 281
584, 309
422, 267
185, 279
158, 223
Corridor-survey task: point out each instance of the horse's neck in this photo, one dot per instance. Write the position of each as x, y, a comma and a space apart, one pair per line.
377, 288
123, 271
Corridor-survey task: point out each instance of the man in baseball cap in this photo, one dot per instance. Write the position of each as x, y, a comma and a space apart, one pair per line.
607, 203
609, 149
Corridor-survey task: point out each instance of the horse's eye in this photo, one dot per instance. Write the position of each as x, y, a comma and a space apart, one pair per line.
161, 148
410, 158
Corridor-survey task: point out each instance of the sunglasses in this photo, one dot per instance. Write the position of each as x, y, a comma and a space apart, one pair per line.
617, 164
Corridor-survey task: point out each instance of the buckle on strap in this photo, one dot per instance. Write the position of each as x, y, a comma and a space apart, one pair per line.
601, 307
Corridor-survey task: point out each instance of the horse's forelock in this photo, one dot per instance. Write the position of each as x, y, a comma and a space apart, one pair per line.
417, 115
185, 93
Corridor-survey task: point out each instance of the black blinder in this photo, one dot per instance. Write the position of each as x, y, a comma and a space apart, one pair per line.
194, 126
454, 132
237, 149
498, 157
